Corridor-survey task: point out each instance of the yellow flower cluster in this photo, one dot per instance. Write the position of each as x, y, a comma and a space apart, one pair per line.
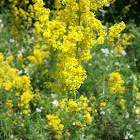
103, 104
39, 56
69, 36
118, 49
116, 82
54, 125
9, 103
122, 103
85, 5
10, 81
114, 32
71, 105
76, 110
138, 103
126, 39
20, 16
78, 106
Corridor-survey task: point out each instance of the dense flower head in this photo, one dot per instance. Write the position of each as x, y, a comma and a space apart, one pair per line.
71, 105
10, 81
122, 103
114, 31
54, 125
69, 109
116, 82
72, 32
20, 16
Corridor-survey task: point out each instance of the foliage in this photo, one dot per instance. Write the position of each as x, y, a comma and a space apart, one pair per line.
126, 10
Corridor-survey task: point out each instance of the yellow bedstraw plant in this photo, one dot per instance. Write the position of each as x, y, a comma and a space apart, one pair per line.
15, 86
69, 36
74, 115
63, 39
116, 82
21, 16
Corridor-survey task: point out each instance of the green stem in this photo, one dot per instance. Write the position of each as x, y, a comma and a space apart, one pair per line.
103, 83
79, 14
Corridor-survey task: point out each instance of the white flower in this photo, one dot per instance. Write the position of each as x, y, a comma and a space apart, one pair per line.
130, 125
105, 51
131, 136
41, 107
127, 115
127, 66
123, 53
55, 103
103, 113
137, 111
102, 11
12, 136
126, 137
108, 5
112, 51
1, 26
105, 27
22, 50
12, 40
90, 64
53, 95
107, 68
73, 123
0, 20
137, 120
134, 77
134, 107
109, 111
32, 38
117, 63
127, 133
19, 71
38, 110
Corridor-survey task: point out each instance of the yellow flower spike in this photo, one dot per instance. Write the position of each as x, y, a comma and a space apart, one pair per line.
122, 103
116, 82
25, 112
87, 117
54, 125
135, 88
138, 96
77, 123
92, 98
103, 104
67, 132
88, 109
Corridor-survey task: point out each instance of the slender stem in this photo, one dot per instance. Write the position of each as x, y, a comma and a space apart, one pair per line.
74, 94
103, 83
79, 20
